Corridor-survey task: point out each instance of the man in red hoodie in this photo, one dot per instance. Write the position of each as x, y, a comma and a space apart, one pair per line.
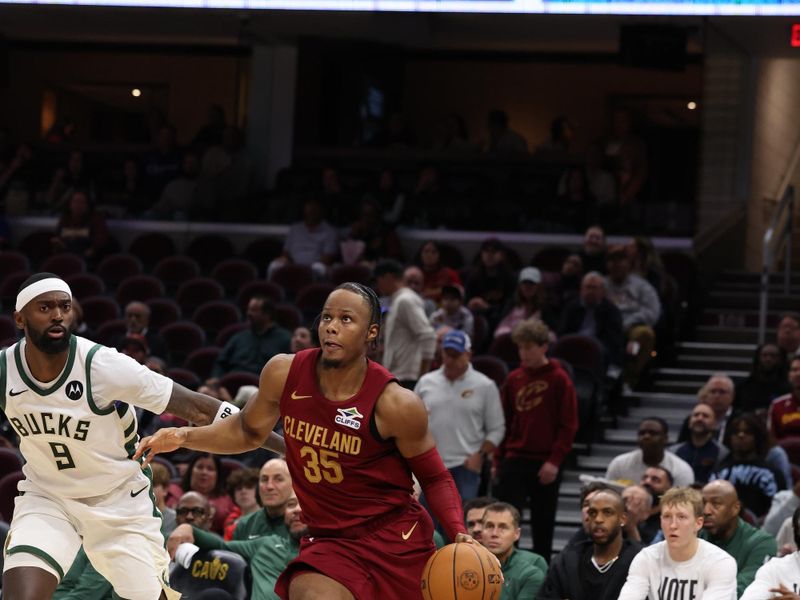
541, 420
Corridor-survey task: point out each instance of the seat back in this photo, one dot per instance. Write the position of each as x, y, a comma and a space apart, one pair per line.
85, 284
292, 278
493, 367
114, 268
139, 287
233, 274
63, 265
98, 310
234, 380
581, 351
197, 291
8, 492
152, 247
209, 249
174, 270
181, 338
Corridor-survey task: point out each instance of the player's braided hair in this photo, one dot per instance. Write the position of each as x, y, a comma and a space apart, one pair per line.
369, 295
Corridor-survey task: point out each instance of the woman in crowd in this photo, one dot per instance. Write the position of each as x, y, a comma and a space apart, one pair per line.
766, 381
436, 275
206, 475
529, 302
80, 229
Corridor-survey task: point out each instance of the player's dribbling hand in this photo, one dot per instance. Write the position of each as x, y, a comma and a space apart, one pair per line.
163, 440
468, 539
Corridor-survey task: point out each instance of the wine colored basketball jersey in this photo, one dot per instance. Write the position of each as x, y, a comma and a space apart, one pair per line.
344, 475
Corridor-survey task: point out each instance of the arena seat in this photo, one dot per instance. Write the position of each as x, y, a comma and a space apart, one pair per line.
235, 379
492, 367
262, 251
8, 328
139, 287
11, 261
98, 310
311, 298
212, 569
174, 270
85, 284
215, 315
503, 348
201, 361
197, 291
229, 331
152, 247
9, 286
288, 316
162, 312
551, 258
233, 274
357, 273
231, 464
581, 351
63, 265
8, 492
260, 287
37, 246
185, 377
114, 268
292, 278
480, 332
209, 249
110, 332
181, 338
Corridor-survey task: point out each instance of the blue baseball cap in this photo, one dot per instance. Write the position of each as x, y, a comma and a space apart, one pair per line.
456, 340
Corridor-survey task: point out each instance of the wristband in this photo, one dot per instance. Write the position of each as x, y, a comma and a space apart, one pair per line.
226, 409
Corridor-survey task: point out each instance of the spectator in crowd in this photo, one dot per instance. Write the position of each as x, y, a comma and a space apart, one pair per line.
718, 393
339, 206
391, 200
653, 436
766, 381
312, 242
683, 566
646, 263
274, 491
162, 164
81, 230
702, 451
210, 134
601, 182
436, 275
746, 468
788, 334
575, 204
178, 195
587, 492
452, 134
15, 172
194, 508
127, 196
640, 307
474, 510
161, 481
491, 282
523, 571
595, 569
408, 338
569, 281
562, 134
541, 421
529, 302
784, 503
641, 509
414, 279
79, 325
593, 315
137, 321
502, 139
723, 527
626, 153
301, 339
266, 555
778, 578
205, 475
429, 203
380, 240
465, 415
135, 346
66, 180
453, 313
656, 480
593, 253
250, 349
783, 418
242, 486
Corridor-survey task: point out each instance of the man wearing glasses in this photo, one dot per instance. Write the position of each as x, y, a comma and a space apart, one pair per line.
193, 508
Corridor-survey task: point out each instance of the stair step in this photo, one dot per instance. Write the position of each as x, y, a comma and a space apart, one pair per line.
670, 415
598, 463
700, 375
606, 449
631, 423
710, 333
750, 299
711, 362
716, 348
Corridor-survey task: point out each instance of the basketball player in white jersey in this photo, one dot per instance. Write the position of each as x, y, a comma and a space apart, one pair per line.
69, 401
779, 579
682, 567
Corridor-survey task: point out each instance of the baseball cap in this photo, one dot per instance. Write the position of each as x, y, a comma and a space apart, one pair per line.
531, 274
456, 340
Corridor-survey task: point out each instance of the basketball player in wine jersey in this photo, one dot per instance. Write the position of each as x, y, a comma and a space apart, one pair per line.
353, 438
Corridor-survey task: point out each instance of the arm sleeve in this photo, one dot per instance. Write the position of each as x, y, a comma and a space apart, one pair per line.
721, 577
763, 582
114, 376
637, 585
493, 415
440, 491
568, 422
763, 551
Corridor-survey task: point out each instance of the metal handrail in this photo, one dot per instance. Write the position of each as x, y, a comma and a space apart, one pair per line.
771, 247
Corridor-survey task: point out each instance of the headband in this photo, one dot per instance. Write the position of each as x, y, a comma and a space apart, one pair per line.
51, 284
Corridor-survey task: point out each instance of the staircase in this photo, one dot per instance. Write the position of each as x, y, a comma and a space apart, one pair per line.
724, 341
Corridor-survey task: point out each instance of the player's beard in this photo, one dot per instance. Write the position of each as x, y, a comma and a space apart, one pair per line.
47, 344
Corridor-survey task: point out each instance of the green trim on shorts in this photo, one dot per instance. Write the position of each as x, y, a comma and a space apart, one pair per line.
73, 344
40, 554
3, 380
98, 411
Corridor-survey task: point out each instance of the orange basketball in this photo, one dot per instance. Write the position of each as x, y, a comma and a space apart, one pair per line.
462, 572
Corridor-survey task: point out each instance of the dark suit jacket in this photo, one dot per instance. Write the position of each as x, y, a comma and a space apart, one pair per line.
608, 322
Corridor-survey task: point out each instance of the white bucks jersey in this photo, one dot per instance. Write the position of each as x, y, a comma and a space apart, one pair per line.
78, 432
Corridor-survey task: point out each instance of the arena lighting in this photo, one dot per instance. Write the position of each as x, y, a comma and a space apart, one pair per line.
691, 105
136, 92
599, 7
794, 41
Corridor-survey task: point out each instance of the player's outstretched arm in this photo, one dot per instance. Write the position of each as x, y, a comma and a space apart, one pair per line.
240, 432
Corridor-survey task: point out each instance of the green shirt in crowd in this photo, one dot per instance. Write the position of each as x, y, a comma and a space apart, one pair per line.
83, 582
257, 524
267, 555
524, 574
751, 547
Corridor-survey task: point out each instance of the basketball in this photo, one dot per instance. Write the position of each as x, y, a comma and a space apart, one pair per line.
462, 572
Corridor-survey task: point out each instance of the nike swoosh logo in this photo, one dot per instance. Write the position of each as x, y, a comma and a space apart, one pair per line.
407, 534
296, 397
134, 494
13, 393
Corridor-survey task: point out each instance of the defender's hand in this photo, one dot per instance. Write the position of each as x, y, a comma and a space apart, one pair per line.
163, 440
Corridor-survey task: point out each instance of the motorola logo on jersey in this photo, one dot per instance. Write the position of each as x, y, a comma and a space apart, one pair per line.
348, 417
74, 390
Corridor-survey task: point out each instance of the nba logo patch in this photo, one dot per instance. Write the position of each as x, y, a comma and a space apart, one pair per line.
349, 417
